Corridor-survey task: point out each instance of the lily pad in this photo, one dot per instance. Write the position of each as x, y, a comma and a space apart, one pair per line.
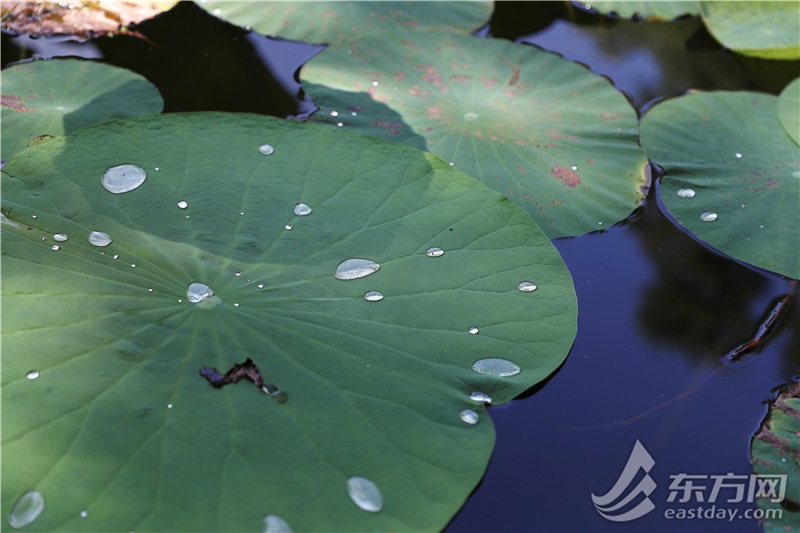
338, 22
734, 187
650, 10
770, 30
776, 452
789, 109
61, 95
372, 284
556, 139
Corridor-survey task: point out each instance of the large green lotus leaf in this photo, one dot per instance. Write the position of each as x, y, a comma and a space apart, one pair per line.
650, 10
789, 109
776, 452
731, 174
770, 30
58, 96
120, 424
338, 22
558, 140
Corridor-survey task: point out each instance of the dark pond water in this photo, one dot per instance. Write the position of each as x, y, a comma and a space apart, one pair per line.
658, 310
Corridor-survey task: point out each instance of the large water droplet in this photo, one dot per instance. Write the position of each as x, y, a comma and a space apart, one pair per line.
276, 524
27, 509
365, 494
197, 292
473, 330
355, 268
266, 149
434, 251
60, 237
526, 286
708, 216
482, 397
302, 210
99, 238
494, 366
686, 193
123, 178
373, 296
469, 416
182, 204
33, 374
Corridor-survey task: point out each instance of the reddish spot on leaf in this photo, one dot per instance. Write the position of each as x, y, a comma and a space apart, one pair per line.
488, 82
557, 203
14, 102
590, 161
566, 176
554, 135
460, 78
433, 112
400, 76
392, 128
610, 116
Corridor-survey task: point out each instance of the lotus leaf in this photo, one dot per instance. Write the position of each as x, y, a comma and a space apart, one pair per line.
650, 10
789, 109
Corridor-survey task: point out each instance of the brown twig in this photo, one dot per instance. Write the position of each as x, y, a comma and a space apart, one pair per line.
767, 327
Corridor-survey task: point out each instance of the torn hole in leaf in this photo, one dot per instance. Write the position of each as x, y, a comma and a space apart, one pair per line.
248, 370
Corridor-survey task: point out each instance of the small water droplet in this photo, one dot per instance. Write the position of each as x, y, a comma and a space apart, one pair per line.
123, 178
434, 251
708, 216
287, 227
365, 494
115, 256
685, 193
235, 304
44, 238
260, 285
55, 247
355, 268
473, 330
469, 416
353, 113
495, 366
526, 286
238, 273
157, 169
334, 113
482, 397
266, 149
738, 155
149, 290
27, 509
469, 117
743, 206
276, 524
169, 406
302, 210
340, 124
241, 213
33, 374
197, 292
33, 216
216, 11
99, 238
133, 265
451, 163
574, 167
84, 514
182, 204
375, 83
373, 296
60, 237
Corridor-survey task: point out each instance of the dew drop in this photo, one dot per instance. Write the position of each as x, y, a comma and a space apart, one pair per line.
266, 149
116, 256
340, 124
149, 290
33, 374
494, 366
526, 286
123, 178
334, 113
365, 494
480, 397
685, 193
276, 524
373, 296
302, 210
33, 216
197, 292
238, 273
353, 113
738, 155
473, 330
355, 268
260, 285
169, 406
60, 237
84, 514
236, 304
55, 247
99, 238
133, 265
434, 251
375, 83
574, 167
27, 509
708, 216
451, 163
469, 117
182, 204
287, 227
469, 416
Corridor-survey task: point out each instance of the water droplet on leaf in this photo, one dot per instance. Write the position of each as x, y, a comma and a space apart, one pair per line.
434, 251
276, 524
99, 238
738, 155
60, 237
574, 167
355, 268
365, 494
373, 296
526, 286
260, 285
469, 416
495, 366
287, 227
27, 509
334, 113
55, 247
238, 273
685, 193
708, 216
33, 374
182, 204
123, 178
480, 397
197, 292
302, 210
84, 514
266, 149
473, 330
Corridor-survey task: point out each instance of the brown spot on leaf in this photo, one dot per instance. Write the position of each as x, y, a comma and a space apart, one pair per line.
610, 116
247, 370
14, 102
566, 176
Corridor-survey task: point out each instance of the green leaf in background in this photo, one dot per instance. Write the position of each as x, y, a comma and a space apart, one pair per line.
776, 451
387, 293
63, 95
650, 10
337, 22
558, 140
769, 30
789, 109
732, 175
